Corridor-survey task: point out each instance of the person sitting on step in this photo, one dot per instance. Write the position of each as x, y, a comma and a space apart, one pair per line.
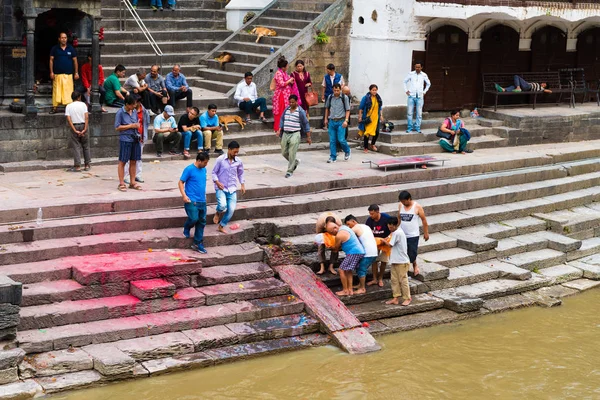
247, 97
456, 136
189, 126
165, 131
520, 85
178, 87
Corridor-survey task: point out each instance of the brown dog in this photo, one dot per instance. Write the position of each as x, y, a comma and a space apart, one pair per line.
230, 119
261, 31
224, 58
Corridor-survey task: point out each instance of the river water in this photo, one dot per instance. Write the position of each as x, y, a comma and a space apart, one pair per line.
532, 353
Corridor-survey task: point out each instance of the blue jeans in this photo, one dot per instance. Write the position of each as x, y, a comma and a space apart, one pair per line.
337, 134
156, 3
412, 102
226, 203
518, 81
196, 216
191, 135
171, 3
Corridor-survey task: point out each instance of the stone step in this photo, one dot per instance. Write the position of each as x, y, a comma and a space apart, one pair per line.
278, 23
508, 271
162, 25
291, 14
278, 40
464, 275
238, 67
114, 329
149, 16
137, 36
167, 47
376, 293
135, 266
181, 4
118, 242
378, 309
214, 86
427, 134
233, 353
589, 265
493, 288
588, 247
433, 147
451, 258
149, 289
150, 58
562, 273
244, 290
221, 76
537, 260
62, 290
246, 56
221, 274
575, 220
252, 47
95, 309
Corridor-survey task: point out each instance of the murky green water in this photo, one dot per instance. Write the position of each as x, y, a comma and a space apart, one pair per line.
527, 354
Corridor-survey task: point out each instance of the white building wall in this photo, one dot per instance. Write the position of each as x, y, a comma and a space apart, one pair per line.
381, 51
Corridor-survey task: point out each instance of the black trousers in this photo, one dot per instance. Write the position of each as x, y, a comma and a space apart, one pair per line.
249, 106
178, 95
155, 103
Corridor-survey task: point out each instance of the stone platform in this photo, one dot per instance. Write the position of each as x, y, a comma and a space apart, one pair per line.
110, 289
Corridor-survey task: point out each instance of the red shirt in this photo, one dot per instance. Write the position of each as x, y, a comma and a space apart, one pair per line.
140, 114
86, 75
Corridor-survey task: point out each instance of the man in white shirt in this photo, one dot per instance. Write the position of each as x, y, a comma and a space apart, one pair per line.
248, 100
136, 84
77, 117
413, 86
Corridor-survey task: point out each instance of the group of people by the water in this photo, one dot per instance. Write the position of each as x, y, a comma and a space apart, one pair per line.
382, 241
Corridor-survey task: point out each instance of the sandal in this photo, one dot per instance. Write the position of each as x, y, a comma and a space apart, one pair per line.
135, 186
122, 188
264, 120
186, 154
53, 111
248, 121
87, 168
469, 151
373, 147
74, 169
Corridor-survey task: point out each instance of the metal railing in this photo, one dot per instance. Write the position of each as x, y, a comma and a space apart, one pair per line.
141, 25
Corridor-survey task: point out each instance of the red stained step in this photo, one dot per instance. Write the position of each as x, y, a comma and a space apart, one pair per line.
245, 290
55, 291
80, 311
133, 266
152, 289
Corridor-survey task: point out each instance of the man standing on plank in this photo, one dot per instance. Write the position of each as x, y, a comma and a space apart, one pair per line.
408, 210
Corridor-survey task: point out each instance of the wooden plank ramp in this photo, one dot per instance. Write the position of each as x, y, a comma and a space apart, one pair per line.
325, 306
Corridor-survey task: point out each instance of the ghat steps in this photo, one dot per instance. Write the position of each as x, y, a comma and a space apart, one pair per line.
96, 306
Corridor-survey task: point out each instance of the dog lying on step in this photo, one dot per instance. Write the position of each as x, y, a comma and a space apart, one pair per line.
261, 31
230, 119
224, 58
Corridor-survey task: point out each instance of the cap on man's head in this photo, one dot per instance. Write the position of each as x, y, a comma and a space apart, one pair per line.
169, 110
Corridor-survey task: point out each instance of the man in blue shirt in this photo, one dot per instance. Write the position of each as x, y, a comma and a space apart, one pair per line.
165, 131
63, 68
211, 129
127, 124
178, 87
192, 186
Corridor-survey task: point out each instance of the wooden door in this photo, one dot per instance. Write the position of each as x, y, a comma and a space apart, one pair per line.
446, 65
588, 53
500, 50
549, 50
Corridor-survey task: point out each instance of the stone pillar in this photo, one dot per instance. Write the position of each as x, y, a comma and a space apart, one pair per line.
30, 107
96, 106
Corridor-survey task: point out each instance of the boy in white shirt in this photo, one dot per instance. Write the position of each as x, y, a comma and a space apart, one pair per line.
77, 117
400, 264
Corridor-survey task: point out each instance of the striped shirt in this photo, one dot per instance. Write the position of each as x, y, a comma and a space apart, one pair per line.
291, 122
536, 87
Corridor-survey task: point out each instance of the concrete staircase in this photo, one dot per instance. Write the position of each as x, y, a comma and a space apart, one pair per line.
286, 17
110, 290
184, 36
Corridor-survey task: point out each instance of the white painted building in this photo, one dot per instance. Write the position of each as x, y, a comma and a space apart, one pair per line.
457, 42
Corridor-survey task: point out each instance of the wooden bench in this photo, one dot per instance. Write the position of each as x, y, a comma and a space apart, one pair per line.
552, 79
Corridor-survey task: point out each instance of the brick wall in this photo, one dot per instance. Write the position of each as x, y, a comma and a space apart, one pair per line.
337, 51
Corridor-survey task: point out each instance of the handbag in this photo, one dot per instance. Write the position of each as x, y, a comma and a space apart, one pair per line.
443, 135
311, 97
367, 120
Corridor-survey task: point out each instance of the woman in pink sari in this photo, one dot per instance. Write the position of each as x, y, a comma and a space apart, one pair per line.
285, 85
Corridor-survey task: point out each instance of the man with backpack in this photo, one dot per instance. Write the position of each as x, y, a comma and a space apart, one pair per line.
293, 123
337, 116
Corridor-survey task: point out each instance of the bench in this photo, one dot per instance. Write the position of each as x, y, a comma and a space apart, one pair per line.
551, 78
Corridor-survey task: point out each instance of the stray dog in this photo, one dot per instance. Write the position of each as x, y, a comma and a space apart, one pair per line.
225, 58
261, 31
230, 119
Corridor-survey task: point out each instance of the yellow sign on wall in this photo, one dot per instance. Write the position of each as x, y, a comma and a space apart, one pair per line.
19, 53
